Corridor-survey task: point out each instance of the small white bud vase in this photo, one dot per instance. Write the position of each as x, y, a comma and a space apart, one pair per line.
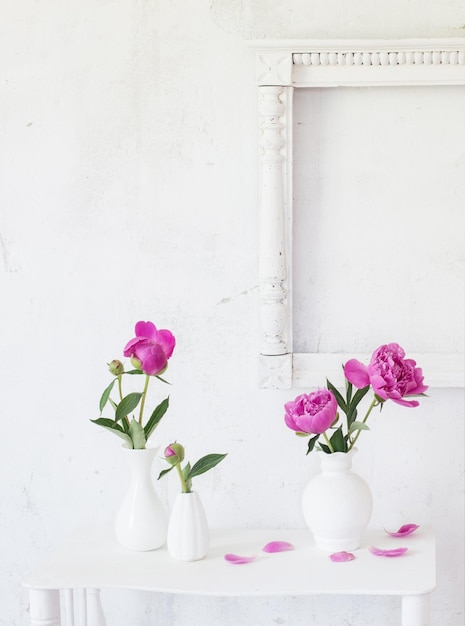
142, 521
337, 504
188, 536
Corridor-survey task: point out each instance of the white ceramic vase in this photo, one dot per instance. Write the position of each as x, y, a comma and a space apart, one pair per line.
188, 536
142, 521
337, 504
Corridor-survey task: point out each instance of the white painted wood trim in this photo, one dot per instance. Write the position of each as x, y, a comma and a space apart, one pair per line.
282, 66
311, 370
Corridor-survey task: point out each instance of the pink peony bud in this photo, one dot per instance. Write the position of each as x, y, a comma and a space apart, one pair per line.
174, 453
116, 367
136, 363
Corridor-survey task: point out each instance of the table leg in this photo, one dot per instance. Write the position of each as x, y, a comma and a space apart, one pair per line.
45, 607
415, 610
95, 614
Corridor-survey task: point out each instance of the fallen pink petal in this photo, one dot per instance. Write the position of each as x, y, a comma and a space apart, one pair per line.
235, 559
341, 557
393, 552
278, 546
406, 529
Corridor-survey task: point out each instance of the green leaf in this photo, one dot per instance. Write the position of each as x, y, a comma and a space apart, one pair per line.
107, 423
137, 435
125, 425
127, 404
340, 400
132, 372
156, 416
336, 419
325, 448
311, 443
359, 395
114, 428
163, 380
351, 415
106, 395
204, 464
338, 441
165, 471
358, 426
349, 389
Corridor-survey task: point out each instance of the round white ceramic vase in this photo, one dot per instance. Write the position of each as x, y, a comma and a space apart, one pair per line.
142, 521
337, 504
188, 536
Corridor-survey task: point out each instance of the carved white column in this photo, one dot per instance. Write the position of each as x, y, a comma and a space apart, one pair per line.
272, 253
274, 215
273, 276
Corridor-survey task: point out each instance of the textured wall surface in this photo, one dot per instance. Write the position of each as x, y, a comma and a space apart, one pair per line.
128, 191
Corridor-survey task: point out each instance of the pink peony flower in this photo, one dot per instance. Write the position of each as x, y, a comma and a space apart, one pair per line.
392, 376
311, 413
151, 347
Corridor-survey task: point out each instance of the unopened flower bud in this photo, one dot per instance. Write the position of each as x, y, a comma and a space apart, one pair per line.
136, 363
116, 367
174, 453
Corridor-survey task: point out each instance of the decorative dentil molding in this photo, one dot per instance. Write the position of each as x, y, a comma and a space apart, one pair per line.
375, 58
282, 66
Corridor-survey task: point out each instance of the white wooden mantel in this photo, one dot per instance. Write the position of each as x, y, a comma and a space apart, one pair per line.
281, 67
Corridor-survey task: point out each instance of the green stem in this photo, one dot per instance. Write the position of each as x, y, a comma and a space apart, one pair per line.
328, 442
181, 478
120, 389
374, 403
144, 394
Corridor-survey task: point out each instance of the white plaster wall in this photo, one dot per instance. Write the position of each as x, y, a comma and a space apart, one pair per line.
128, 191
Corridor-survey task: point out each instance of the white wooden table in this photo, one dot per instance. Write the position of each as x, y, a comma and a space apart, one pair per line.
66, 589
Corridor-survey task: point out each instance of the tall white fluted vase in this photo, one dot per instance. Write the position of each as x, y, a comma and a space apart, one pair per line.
337, 504
141, 523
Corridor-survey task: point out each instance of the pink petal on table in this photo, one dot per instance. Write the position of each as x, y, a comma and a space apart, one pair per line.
235, 559
278, 546
341, 557
406, 529
394, 552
